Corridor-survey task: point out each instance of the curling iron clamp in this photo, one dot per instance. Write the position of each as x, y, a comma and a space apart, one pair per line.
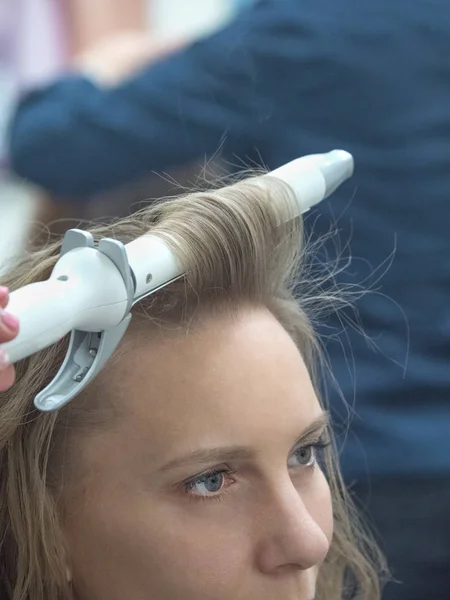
92, 288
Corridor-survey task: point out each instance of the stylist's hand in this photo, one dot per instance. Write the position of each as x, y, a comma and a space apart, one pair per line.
9, 328
118, 57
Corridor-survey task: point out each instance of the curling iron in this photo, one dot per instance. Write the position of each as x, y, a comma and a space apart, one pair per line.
92, 288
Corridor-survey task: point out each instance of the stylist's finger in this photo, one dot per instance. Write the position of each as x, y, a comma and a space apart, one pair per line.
9, 328
4, 293
7, 375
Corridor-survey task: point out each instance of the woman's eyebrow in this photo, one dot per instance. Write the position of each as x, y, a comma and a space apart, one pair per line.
230, 453
319, 424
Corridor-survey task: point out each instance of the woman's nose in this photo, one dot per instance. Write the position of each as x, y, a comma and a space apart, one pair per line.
293, 531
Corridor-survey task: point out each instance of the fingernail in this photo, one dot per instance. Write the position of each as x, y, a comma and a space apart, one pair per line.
3, 290
9, 320
4, 360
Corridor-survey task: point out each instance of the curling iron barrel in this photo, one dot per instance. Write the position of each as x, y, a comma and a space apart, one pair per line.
92, 289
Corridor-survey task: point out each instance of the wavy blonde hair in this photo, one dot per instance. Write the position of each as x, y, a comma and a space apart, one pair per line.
237, 245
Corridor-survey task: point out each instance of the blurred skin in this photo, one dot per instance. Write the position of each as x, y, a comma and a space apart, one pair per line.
90, 21
118, 57
138, 531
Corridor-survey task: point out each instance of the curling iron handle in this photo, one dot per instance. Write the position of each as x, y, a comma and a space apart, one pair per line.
45, 317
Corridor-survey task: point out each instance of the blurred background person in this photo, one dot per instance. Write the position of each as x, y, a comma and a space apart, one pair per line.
111, 38
284, 79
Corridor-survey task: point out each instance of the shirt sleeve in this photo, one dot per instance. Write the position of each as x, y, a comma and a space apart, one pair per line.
76, 139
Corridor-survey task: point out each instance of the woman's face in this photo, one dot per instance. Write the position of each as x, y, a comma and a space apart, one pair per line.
208, 488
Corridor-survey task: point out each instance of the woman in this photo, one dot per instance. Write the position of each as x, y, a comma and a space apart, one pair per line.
198, 465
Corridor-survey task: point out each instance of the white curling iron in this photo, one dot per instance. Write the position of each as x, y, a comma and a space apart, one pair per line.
92, 289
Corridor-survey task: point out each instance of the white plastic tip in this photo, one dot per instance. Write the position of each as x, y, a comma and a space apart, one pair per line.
336, 167
314, 177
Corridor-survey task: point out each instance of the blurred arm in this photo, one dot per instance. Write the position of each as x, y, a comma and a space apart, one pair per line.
77, 138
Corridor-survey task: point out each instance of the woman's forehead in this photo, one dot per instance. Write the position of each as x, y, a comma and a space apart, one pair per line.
229, 379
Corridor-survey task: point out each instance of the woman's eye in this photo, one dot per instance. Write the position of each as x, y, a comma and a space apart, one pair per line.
312, 454
208, 484
305, 455
214, 484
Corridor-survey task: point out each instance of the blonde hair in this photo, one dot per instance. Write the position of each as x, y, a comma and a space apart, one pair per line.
237, 245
